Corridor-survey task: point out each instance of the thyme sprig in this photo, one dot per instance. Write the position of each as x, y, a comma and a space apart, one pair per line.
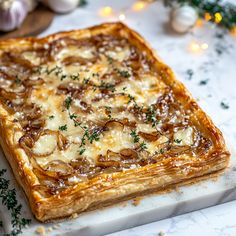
136, 139
8, 198
88, 135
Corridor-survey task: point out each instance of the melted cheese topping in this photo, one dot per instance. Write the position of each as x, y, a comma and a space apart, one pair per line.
80, 98
184, 137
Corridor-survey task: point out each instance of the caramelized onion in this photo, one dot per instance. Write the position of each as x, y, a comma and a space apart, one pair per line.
110, 159
127, 122
114, 124
32, 82
81, 164
177, 150
78, 60
18, 60
128, 153
6, 76
13, 95
62, 141
151, 137
58, 168
28, 140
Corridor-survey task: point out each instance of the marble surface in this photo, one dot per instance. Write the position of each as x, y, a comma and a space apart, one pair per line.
216, 66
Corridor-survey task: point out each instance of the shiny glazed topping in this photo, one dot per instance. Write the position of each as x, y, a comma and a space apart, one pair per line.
91, 106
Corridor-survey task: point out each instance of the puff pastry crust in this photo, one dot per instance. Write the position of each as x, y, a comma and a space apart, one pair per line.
91, 117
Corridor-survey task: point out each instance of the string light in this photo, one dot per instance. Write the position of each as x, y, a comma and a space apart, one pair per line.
106, 11
233, 30
197, 47
218, 17
207, 16
139, 5
204, 46
194, 47
122, 17
199, 23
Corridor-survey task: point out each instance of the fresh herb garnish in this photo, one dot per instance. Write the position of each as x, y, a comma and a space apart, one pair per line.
124, 73
106, 86
68, 102
203, 82
110, 60
108, 111
63, 127
151, 115
51, 117
73, 116
178, 141
82, 150
63, 76
8, 197
86, 80
131, 98
88, 135
161, 151
95, 74
75, 76
224, 105
135, 136
17, 80
189, 73
143, 146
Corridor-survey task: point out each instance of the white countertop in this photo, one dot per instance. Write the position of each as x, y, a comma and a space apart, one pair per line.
216, 68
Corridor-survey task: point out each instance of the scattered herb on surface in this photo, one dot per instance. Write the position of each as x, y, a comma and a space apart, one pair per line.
151, 115
224, 105
131, 98
17, 80
110, 60
108, 111
178, 141
135, 136
189, 73
75, 76
107, 86
143, 146
68, 102
63, 128
51, 117
124, 73
203, 82
8, 198
86, 80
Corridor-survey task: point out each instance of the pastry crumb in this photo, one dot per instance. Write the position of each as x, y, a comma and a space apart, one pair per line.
56, 226
136, 201
26, 226
40, 230
50, 229
161, 233
74, 215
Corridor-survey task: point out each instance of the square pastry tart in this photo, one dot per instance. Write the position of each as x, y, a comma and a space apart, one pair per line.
92, 117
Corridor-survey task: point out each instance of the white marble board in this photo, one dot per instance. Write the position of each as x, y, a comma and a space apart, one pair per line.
151, 23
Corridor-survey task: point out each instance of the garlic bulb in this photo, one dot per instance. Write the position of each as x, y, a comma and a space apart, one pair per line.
183, 18
32, 4
61, 6
12, 14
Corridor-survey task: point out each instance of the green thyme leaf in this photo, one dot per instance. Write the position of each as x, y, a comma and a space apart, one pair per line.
63, 128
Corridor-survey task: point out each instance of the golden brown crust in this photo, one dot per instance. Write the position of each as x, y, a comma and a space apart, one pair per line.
105, 188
